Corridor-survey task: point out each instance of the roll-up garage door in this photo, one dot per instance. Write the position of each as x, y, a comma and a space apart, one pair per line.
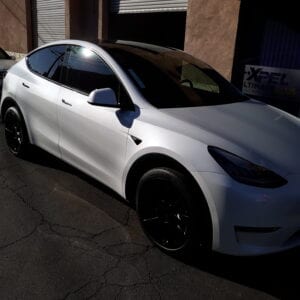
143, 6
48, 20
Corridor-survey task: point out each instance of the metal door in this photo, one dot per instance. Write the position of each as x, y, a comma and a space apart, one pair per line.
48, 21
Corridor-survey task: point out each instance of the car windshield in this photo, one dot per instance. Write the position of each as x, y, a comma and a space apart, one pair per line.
3, 54
169, 78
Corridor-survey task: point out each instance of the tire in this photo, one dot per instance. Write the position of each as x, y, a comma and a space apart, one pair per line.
172, 214
15, 132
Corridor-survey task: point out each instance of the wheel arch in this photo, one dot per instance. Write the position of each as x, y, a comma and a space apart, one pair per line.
8, 102
157, 160
150, 161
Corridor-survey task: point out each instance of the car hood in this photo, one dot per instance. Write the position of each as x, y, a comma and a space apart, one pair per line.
5, 64
254, 130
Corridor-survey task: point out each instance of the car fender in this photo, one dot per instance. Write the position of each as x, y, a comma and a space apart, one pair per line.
189, 168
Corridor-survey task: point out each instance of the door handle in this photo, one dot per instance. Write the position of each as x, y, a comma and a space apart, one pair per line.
25, 85
65, 102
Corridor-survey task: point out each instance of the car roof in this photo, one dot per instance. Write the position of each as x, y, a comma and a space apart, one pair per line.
122, 44
101, 47
129, 44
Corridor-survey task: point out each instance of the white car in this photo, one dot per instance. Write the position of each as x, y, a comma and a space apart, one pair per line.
205, 165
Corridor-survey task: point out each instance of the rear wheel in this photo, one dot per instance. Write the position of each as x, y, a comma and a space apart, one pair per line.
171, 213
15, 132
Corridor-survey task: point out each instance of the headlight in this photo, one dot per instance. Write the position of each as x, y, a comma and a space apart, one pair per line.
244, 171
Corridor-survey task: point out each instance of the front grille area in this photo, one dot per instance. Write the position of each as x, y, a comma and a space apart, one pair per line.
256, 229
258, 236
294, 239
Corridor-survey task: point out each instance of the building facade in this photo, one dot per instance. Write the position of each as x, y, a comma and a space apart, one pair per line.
254, 43
194, 25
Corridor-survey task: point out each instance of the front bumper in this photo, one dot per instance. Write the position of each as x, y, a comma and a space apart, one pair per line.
249, 220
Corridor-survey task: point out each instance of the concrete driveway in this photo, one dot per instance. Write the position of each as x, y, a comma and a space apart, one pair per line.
65, 236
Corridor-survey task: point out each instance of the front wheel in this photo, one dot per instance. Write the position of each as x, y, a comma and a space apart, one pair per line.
171, 213
15, 132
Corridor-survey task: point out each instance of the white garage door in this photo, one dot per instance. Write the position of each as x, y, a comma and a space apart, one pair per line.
48, 20
143, 6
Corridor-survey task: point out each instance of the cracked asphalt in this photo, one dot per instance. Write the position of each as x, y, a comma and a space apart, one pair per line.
65, 236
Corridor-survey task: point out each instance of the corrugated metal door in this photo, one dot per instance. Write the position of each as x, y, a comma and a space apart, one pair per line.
280, 46
48, 20
143, 6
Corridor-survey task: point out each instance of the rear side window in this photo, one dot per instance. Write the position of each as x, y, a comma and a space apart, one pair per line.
86, 71
47, 62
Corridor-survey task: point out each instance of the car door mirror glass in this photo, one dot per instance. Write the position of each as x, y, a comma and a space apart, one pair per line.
103, 97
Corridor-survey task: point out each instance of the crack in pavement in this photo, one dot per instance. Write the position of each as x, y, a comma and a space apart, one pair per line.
120, 251
19, 239
79, 289
89, 236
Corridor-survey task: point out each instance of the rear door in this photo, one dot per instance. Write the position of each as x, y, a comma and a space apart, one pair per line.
39, 90
93, 138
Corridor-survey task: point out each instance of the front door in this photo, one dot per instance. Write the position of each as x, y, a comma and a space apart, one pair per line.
92, 138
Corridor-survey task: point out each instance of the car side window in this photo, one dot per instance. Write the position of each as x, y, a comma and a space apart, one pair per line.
86, 71
47, 62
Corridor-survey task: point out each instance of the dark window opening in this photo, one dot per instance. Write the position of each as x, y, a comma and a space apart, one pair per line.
47, 62
3, 54
163, 28
269, 36
86, 71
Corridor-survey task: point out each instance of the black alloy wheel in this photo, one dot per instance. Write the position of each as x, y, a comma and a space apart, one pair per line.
168, 211
15, 132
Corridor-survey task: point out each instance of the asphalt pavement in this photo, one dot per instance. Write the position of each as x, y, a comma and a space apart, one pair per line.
65, 236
